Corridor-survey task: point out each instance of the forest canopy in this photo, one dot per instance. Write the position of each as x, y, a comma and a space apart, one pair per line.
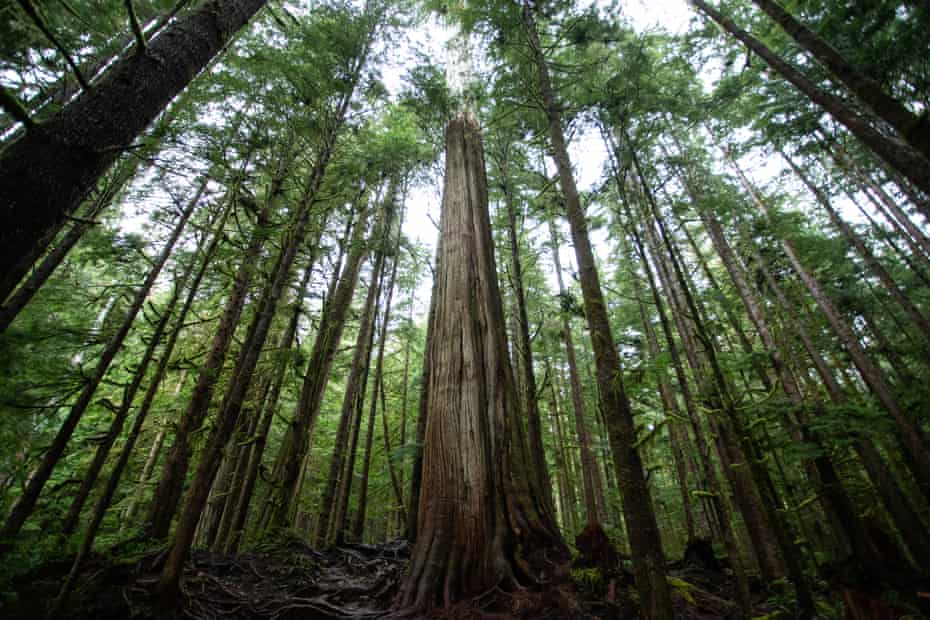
472, 308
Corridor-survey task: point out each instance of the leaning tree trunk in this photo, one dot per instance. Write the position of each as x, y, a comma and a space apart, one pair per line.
174, 470
116, 425
676, 434
475, 511
645, 543
898, 155
348, 450
890, 238
738, 449
43, 271
719, 504
837, 505
329, 525
903, 514
416, 470
231, 407
745, 494
592, 483
63, 89
48, 172
24, 506
568, 500
237, 504
914, 129
328, 337
913, 437
872, 263
109, 491
378, 387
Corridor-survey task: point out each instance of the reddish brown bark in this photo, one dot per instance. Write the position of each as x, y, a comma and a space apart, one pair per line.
475, 510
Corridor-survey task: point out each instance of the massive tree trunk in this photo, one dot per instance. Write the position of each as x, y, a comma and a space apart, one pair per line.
30, 496
61, 91
475, 511
645, 543
898, 155
914, 129
48, 172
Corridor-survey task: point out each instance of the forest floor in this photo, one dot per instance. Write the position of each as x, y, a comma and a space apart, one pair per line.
288, 580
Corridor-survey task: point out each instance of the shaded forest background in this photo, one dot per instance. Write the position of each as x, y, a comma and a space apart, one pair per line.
215, 337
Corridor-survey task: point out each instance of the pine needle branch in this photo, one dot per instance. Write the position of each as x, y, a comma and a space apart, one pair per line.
12, 106
39, 22
136, 27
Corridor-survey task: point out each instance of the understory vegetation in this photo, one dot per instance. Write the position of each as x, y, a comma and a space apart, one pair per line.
464, 309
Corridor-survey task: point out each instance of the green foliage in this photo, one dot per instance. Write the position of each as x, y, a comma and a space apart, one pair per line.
589, 582
655, 110
684, 589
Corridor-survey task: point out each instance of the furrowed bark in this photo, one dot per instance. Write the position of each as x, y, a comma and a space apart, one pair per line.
475, 509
